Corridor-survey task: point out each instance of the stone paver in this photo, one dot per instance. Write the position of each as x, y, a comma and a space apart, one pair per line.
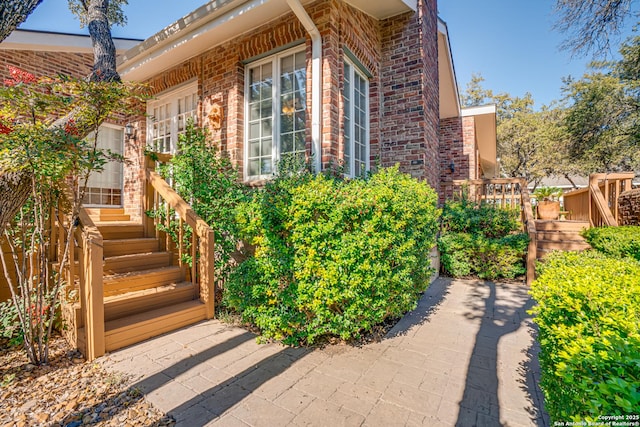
465, 357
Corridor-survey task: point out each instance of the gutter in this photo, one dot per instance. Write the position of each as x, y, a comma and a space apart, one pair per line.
316, 80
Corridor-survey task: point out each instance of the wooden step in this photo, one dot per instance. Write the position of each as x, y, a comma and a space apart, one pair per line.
129, 330
558, 236
107, 214
119, 306
120, 230
139, 280
548, 245
116, 247
561, 225
136, 262
114, 217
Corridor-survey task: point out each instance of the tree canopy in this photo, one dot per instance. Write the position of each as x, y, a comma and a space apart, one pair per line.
591, 25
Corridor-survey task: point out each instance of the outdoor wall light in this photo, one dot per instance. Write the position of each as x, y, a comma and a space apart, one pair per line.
130, 131
452, 167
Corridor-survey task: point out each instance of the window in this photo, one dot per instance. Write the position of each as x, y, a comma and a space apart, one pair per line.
276, 112
168, 116
105, 188
355, 96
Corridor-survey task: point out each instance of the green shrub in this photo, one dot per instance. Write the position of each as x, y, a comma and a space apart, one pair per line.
615, 241
588, 315
481, 240
333, 257
206, 180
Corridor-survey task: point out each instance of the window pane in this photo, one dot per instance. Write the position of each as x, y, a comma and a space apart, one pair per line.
286, 143
300, 142
254, 149
266, 166
286, 64
267, 145
254, 167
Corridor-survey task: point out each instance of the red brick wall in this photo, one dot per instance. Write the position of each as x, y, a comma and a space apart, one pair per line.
399, 53
458, 146
410, 94
470, 147
629, 207
45, 63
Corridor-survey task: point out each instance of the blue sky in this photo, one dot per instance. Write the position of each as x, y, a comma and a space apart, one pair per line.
511, 43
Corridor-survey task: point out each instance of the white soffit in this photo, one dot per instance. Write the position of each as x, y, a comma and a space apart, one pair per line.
383, 9
485, 123
45, 41
210, 25
448, 86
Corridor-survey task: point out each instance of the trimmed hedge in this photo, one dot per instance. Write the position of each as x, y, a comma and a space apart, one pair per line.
615, 241
588, 315
481, 240
333, 257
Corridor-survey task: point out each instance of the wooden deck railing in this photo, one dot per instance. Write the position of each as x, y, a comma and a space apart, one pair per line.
87, 243
598, 203
170, 207
504, 193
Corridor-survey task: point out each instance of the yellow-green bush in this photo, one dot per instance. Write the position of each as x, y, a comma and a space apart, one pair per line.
615, 241
333, 257
588, 315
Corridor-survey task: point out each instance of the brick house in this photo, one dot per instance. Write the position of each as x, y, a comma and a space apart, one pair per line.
344, 82
349, 83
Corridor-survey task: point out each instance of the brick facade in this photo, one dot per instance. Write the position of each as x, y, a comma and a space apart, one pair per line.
410, 94
629, 207
458, 150
46, 63
399, 54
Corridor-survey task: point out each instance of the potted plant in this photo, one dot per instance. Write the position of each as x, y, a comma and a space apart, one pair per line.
548, 204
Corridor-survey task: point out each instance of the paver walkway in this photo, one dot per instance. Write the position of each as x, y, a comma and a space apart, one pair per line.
464, 357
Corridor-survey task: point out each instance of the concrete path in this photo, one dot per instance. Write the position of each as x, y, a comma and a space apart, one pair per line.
464, 357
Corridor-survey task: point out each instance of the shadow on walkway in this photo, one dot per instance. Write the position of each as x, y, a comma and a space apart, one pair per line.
214, 402
480, 404
428, 305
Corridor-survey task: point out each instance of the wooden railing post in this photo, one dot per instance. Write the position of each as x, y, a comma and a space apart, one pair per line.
92, 292
207, 276
147, 202
530, 228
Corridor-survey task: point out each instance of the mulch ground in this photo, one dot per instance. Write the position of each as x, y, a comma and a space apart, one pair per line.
68, 391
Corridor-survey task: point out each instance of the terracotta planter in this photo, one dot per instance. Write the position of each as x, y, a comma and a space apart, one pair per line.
548, 210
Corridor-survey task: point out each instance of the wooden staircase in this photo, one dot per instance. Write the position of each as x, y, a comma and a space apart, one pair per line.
145, 291
559, 236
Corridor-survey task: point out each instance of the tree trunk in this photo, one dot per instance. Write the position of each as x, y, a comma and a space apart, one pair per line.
104, 51
15, 187
14, 13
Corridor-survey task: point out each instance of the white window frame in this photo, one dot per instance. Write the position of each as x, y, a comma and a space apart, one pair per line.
274, 59
172, 98
355, 69
95, 175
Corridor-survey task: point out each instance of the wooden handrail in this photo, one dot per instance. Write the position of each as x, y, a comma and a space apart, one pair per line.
602, 215
598, 202
89, 240
530, 229
202, 244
